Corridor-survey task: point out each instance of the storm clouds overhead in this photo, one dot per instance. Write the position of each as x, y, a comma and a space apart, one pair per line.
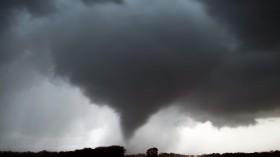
215, 60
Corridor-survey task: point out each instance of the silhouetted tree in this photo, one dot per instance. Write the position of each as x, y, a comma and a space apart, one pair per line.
152, 152
112, 151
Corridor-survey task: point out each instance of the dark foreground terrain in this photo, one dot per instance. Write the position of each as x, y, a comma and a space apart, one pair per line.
119, 151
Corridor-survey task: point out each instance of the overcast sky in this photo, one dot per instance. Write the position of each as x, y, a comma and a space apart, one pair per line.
185, 76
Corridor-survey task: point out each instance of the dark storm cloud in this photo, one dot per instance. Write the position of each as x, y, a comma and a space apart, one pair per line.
8, 11
255, 23
36, 7
142, 56
244, 88
141, 62
247, 82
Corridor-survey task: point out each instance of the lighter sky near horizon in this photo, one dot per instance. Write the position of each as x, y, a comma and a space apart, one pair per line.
183, 76
64, 119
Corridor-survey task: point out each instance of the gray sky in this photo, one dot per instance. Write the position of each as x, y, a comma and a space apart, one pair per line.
182, 75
